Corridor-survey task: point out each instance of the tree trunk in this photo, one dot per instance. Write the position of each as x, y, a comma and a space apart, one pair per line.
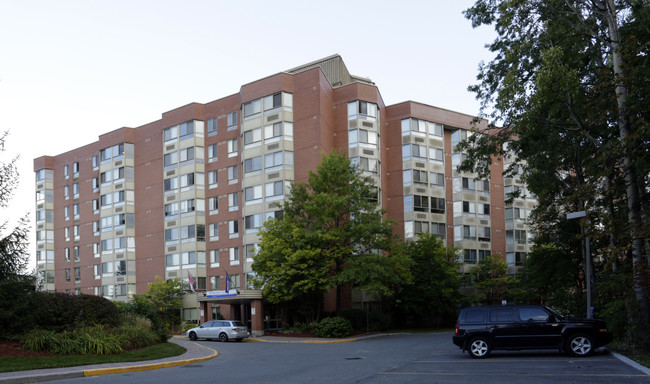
629, 173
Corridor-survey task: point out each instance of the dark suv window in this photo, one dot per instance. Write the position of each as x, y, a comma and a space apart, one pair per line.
475, 316
532, 314
502, 315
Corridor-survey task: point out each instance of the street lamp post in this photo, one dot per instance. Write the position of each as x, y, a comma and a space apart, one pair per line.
587, 253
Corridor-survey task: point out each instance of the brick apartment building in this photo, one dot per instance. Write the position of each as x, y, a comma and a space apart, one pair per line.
185, 195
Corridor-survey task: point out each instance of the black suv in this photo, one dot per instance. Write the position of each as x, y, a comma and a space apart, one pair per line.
482, 329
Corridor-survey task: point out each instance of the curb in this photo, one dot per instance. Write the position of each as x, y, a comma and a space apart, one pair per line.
302, 341
631, 362
146, 367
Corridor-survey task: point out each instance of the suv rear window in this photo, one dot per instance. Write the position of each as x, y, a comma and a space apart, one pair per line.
475, 316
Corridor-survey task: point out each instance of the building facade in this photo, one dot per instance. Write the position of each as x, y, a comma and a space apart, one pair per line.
184, 196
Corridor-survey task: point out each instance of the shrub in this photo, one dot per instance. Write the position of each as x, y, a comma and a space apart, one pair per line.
187, 326
333, 327
362, 320
39, 340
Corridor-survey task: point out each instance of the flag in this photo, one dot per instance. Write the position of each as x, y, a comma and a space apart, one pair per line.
227, 282
191, 279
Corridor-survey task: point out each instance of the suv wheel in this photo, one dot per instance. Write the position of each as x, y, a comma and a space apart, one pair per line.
580, 345
479, 347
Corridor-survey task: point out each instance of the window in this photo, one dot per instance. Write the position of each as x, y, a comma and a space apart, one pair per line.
186, 154
67, 254
420, 203
252, 137
169, 184
95, 184
172, 260
272, 131
233, 228
249, 251
252, 109
273, 161
66, 171
233, 256
414, 152
171, 234
469, 232
273, 215
516, 213
67, 275
214, 258
95, 162
437, 179
273, 101
274, 190
75, 169
252, 223
75, 210
457, 136
366, 164
171, 209
253, 164
437, 205
212, 127
233, 201
483, 186
97, 271
436, 155
231, 120
483, 209
66, 192
213, 205
214, 283
470, 256
120, 267
66, 212
233, 174
232, 147
363, 138
188, 206
253, 195
362, 110
420, 177
170, 133
439, 229
213, 179
212, 153
188, 258
213, 231
483, 233
186, 129
187, 180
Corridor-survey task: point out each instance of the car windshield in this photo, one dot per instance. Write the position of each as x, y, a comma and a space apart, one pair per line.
555, 313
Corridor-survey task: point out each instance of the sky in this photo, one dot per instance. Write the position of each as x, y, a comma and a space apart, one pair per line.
71, 71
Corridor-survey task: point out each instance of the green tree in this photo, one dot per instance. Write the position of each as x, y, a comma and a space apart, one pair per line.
331, 234
167, 298
430, 299
13, 241
567, 90
550, 277
493, 282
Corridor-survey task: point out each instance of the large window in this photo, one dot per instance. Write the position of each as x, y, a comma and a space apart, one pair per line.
233, 174
254, 136
212, 127
363, 138
253, 164
362, 110
252, 223
252, 109
231, 120
253, 195
274, 190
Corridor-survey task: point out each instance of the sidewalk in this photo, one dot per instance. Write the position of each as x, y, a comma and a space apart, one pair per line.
195, 353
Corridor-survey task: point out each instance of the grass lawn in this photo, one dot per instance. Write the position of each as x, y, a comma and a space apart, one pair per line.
23, 363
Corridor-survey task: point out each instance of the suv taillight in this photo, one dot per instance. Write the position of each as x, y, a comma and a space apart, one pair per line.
457, 330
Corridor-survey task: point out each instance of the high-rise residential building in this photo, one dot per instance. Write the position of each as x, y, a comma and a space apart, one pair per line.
184, 196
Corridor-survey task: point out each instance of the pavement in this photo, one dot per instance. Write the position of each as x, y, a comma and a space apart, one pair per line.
194, 353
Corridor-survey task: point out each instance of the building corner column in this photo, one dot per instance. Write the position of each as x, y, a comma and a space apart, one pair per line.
257, 318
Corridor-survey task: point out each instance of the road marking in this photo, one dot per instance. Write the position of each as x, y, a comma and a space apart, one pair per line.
517, 374
491, 361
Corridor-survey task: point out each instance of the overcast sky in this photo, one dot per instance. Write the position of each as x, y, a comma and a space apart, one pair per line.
73, 70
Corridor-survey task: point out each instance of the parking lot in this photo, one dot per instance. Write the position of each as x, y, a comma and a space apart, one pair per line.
397, 358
